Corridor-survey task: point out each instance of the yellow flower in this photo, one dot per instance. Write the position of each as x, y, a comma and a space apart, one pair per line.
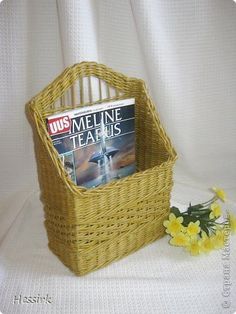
180, 239
194, 247
218, 239
193, 228
206, 243
173, 225
220, 193
232, 222
215, 211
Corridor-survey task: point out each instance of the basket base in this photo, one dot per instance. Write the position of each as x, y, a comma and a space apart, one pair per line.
82, 263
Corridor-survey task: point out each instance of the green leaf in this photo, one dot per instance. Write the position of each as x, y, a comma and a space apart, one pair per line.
175, 211
188, 219
205, 216
204, 228
194, 208
201, 214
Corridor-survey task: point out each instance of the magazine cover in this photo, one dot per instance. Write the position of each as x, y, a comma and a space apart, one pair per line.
96, 144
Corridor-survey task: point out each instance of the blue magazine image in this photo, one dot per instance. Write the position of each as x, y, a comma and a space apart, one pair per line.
96, 143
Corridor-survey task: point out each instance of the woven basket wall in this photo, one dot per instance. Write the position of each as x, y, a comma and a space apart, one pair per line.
89, 228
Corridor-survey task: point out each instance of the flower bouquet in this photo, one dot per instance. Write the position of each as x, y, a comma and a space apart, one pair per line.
199, 229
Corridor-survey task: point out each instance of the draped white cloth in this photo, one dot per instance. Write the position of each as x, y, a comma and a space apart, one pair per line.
186, 52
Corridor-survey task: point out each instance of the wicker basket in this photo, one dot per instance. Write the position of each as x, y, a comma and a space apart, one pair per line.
89, 228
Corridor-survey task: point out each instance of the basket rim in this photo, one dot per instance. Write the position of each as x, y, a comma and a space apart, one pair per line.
35, 104
34, 108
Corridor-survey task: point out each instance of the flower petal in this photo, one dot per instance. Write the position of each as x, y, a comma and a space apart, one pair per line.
166, 223
172, 216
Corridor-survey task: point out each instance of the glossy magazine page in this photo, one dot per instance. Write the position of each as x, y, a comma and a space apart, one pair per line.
96, 143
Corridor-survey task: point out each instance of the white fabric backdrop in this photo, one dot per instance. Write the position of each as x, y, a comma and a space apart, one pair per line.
186, 52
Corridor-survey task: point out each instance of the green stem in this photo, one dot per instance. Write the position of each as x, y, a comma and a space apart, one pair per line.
200, 210
213, 230
211, 200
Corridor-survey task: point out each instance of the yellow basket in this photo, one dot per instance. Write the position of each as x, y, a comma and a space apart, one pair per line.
89, 228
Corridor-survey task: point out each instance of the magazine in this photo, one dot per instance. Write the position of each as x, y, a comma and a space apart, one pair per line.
96, 143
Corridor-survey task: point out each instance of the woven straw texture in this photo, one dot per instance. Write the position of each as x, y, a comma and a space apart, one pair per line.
89, 228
